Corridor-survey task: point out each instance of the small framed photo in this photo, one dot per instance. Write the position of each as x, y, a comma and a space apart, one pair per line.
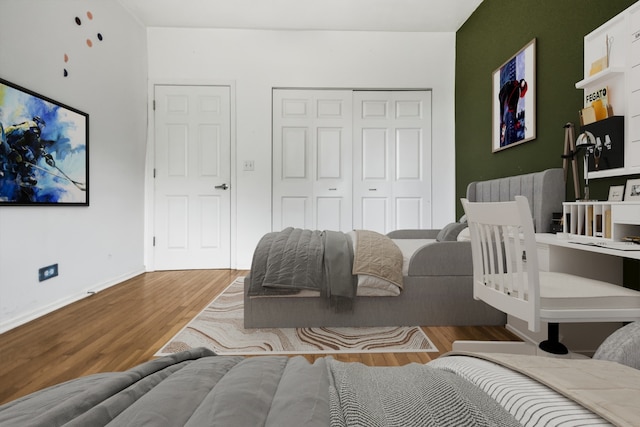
632, 192
616, 193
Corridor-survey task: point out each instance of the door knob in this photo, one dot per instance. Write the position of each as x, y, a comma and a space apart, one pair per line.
222, 187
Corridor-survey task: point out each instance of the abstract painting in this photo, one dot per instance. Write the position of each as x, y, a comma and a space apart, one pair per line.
44, 150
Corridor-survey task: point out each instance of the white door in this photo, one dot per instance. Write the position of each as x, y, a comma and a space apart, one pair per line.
392, 160
312, 133
192, 177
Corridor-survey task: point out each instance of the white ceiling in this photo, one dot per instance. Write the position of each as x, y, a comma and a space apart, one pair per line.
346, 15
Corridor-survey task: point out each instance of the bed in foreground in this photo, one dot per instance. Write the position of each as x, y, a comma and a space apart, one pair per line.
197, 388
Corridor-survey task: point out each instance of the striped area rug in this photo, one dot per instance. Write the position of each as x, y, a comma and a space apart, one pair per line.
219, 327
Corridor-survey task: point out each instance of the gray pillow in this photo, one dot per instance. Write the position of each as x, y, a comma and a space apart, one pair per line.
622, 346
450, 232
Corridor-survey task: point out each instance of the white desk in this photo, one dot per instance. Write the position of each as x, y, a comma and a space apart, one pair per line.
561, 253
567, 241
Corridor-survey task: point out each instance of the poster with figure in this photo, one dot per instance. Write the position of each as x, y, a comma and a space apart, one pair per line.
514, 115
43, 150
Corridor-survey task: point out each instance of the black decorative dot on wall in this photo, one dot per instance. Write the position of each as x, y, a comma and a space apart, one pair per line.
88, 41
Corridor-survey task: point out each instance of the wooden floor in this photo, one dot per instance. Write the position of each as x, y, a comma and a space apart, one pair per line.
127, 324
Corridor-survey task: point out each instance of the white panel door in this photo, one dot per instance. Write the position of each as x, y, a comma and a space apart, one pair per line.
192, 177
312, 131
392, 160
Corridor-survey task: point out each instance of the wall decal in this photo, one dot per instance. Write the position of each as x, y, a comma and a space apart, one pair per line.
88, 41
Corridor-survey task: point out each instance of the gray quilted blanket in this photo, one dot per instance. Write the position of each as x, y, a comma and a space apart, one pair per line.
185, 389
286, 261
196, 388
293, 259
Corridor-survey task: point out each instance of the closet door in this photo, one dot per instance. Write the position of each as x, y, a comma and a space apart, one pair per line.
392, 160
312, 156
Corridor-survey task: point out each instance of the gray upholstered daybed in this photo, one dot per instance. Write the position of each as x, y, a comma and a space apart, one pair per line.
438, 281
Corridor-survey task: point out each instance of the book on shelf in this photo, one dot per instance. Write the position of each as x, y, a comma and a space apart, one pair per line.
596, 106
607, 224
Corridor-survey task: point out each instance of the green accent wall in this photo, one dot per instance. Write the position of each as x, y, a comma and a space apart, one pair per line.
495, 32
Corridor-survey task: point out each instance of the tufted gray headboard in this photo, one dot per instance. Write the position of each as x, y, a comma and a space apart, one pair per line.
545, 191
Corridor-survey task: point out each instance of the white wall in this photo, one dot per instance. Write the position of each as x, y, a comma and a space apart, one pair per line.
102, 244
256, 61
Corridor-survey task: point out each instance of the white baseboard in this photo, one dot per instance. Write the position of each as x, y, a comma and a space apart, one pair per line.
92, 290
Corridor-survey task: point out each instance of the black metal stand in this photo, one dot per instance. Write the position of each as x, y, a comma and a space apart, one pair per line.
569, 155
552, 344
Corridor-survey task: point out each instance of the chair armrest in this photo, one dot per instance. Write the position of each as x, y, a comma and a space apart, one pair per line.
442, 259
413, 234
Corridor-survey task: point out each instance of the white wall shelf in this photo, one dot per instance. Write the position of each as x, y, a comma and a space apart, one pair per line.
619, 40
601, 77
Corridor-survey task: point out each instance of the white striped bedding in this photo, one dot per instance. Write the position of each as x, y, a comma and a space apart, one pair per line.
530, 402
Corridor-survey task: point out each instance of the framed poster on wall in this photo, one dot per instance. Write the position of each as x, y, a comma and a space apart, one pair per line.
44, 150
514, 102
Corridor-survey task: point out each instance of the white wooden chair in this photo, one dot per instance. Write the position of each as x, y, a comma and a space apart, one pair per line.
506, 276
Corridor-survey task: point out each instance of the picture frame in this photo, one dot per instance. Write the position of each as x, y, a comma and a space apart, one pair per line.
514, 99
632, 190
44, 150
616, 193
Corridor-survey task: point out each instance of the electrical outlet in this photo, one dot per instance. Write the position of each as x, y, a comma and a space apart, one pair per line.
47, 272
248, 165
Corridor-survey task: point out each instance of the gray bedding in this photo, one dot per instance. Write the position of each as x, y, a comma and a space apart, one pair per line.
413, 395
197, 388
287, 261
294, 259
185, 389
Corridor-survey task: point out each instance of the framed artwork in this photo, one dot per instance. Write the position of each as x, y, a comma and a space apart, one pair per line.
632, 192
44, 150
616, 192
514, 99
